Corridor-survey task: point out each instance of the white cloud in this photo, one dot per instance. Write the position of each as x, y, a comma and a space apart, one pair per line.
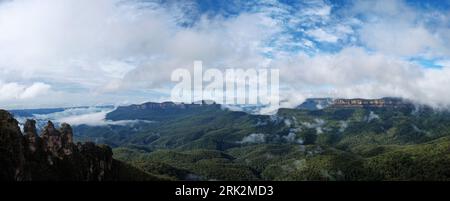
372, 116
16, 91
52, 40
343, 125
321, 11
255, 138
34, 90
322, 36
290, 137
353, 72
91, 119
398, 39
92, 116
97, 119
398, 29
317, 124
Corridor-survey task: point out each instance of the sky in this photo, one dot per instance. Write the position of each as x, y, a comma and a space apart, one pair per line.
56, 53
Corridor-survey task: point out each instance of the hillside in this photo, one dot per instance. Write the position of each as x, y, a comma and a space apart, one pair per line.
334, 143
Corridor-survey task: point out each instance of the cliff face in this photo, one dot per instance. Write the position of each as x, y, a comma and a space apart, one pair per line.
12, 152
171, 105
53, 155
161, 111
371, 103
321, 103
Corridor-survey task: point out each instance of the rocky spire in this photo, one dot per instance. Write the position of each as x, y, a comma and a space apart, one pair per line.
67, 134
67, 139
31, 138
30, 127
49, 130
51, 138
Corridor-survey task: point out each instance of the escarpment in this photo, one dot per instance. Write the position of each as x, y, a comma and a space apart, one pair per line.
372, 103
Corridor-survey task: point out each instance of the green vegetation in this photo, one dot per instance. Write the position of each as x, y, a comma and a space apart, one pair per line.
331, 144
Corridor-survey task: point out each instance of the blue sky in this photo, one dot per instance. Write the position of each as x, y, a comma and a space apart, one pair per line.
286, 11
80, 52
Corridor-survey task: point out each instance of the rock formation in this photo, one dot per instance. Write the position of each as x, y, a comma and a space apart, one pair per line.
371, 103
322, 103
53, 155
12, 157
33, 141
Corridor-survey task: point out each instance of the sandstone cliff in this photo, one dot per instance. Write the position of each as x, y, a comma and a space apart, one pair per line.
372, 103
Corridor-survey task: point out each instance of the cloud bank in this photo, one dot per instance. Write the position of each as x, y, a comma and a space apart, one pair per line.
91, 116
15, 90
80, 52
254, 138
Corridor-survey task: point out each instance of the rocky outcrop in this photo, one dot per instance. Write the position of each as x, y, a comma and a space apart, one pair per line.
172, 105
67, 139
371, 103
52, 139
32, 140
12, 157
50, 156
322, 103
